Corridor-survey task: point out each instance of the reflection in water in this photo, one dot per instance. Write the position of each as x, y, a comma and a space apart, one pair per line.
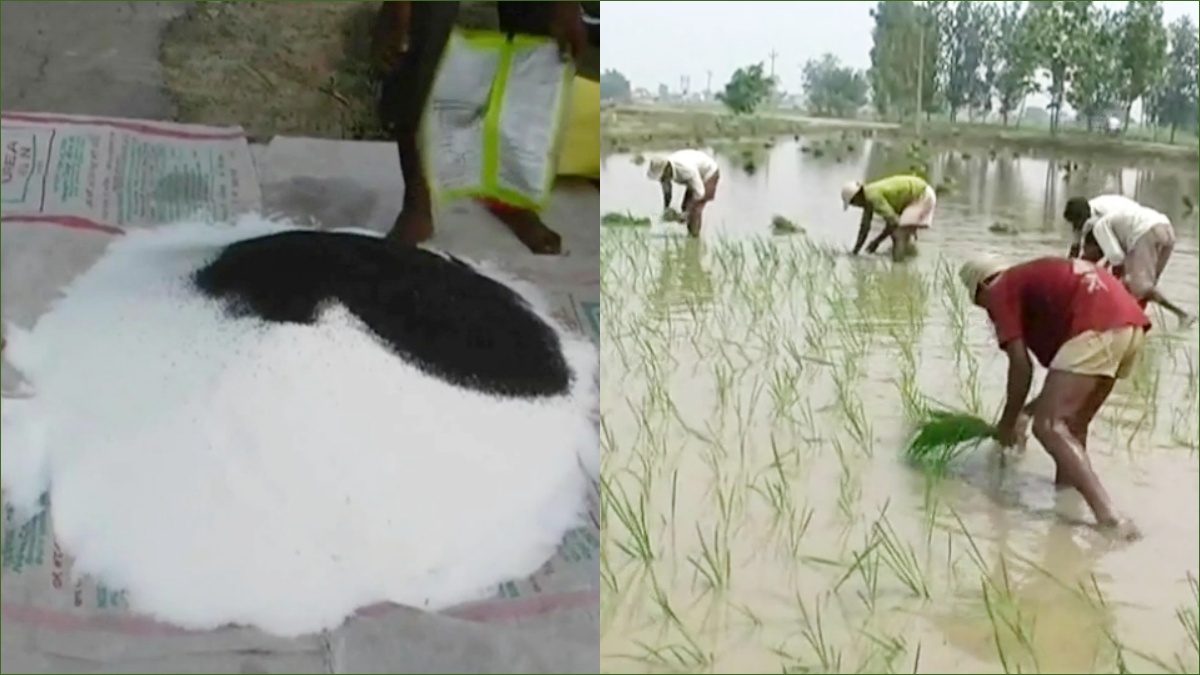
683, 286
894, 297
1043, 614
757, 412
980, 187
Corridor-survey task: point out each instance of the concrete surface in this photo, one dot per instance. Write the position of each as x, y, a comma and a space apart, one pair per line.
87, 58
101, 58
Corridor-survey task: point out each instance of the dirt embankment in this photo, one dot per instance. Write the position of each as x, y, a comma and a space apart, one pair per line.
635, 128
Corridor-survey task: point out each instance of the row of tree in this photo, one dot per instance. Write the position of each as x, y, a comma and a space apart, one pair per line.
987, 57
983, 57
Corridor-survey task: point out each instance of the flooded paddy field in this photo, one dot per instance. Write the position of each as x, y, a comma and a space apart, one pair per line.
758, 391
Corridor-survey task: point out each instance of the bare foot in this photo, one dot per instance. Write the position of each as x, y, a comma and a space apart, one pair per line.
530, 229
412, 227
1070, 506
1121, 529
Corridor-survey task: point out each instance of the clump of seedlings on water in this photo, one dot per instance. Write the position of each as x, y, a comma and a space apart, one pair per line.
614, 219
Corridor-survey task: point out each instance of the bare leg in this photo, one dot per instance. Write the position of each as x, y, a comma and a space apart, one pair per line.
402, 103
414, 224
695, 217
695, 221
1062, 404
1078, 425
901, 243
877, 241
1186, 319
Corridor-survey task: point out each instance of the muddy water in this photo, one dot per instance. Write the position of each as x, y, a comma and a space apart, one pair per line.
754, 526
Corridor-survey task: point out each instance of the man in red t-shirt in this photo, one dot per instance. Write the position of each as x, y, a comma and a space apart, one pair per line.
1081, 323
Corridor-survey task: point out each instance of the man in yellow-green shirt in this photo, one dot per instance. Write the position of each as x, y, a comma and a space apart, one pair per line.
906, 204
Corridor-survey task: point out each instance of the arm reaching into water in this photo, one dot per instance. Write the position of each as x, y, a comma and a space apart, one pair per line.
876, 204
1020, 377
666, 192
1102, 232
1076, 243
864, 228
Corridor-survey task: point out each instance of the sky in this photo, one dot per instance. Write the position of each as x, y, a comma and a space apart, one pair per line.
658, 42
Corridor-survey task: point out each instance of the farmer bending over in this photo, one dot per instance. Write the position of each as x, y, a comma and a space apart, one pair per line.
1087, 329
410, 38
1134, 240
698, 171
906, 204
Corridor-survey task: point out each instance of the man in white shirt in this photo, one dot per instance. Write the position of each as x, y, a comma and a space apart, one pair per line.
693, 168
1136, 241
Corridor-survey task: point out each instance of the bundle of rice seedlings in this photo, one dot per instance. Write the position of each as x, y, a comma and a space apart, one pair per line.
672, 215
942, 435
624, 220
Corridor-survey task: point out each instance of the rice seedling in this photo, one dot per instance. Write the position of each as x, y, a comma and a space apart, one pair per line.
631, 513
943, 435
624, 220
714, 563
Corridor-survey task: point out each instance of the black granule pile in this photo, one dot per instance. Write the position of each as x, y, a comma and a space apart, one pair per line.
439, 315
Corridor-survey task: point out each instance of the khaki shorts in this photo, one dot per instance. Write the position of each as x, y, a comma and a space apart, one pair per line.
1147, 258
919, 214
1111, 353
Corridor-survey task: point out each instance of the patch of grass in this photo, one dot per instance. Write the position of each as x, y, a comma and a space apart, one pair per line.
288, 68
275, 68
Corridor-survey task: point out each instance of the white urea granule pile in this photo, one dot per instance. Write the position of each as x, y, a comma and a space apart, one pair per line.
278, 475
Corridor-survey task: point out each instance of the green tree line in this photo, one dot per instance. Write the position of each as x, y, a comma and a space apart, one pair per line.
983, 59
980, 58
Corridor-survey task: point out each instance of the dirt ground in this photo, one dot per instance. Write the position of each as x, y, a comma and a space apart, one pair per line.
285, 68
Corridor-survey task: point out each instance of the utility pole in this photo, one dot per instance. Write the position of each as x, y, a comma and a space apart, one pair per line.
774, 54
920, 72
708, 88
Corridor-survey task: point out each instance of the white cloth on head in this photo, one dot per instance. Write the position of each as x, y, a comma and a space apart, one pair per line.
848, 191
656, 168
978, 268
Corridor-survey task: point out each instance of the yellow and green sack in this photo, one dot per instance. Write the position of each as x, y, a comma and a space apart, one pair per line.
580, 154
494, 124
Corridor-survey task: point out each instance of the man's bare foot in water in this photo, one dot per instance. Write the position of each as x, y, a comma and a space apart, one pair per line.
412, 227
529, 228
1121, 529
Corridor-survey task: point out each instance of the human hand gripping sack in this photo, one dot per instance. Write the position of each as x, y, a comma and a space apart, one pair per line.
568, 30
